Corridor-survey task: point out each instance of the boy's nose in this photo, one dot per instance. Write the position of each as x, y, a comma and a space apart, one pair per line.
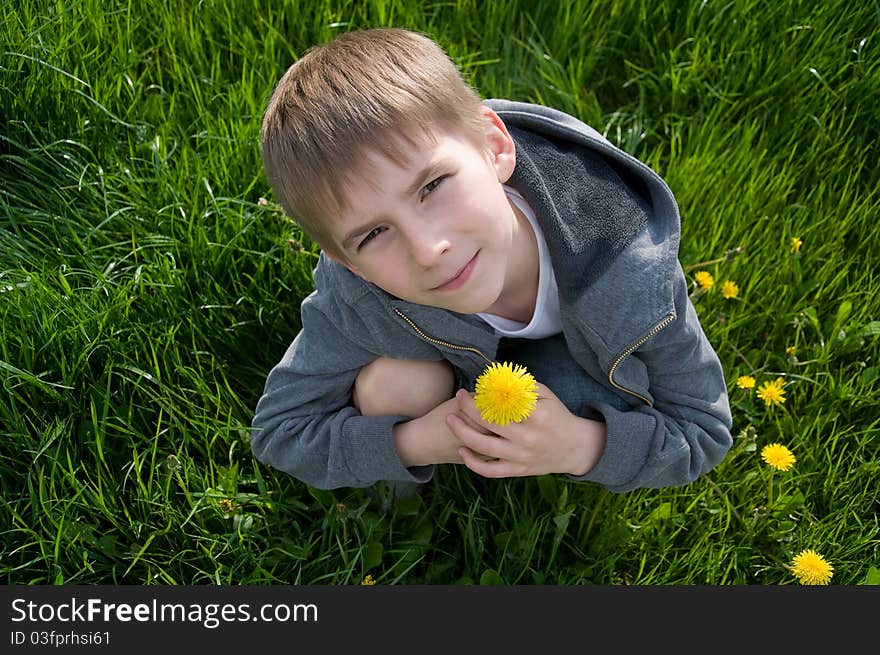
427, 247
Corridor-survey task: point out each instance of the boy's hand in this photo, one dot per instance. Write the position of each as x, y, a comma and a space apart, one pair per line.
429, 440
550, 440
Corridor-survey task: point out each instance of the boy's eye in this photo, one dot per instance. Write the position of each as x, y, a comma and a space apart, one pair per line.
430, 186
372, 234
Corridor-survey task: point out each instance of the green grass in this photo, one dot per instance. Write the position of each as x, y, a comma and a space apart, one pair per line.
145, 291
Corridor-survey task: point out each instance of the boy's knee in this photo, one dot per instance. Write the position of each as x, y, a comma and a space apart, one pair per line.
403, 386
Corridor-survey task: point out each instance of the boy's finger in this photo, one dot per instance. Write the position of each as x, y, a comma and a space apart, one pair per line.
474, 423
488, 444
466, 406
493, 468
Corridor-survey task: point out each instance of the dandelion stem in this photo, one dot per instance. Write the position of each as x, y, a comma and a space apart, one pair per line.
778, 561
740, 354
770, 491
602, 496
726, 257
723, 495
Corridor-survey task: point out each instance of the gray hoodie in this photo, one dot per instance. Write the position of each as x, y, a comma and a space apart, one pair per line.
612, 229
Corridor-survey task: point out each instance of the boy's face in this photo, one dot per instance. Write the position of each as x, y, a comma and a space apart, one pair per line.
438, 231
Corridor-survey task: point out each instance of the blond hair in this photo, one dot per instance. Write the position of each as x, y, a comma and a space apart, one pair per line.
365, 90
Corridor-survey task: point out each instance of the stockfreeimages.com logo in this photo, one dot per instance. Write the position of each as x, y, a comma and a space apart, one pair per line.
209, 615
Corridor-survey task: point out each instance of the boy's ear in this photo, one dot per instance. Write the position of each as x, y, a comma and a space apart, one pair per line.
350, 267
499, 145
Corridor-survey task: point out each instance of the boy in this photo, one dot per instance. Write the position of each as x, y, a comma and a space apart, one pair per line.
456, 232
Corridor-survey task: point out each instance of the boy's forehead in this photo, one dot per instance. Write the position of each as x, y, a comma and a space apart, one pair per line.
403, 154
403, 148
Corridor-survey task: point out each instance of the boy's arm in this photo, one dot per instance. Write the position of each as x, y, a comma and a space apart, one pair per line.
305, 423
687, 431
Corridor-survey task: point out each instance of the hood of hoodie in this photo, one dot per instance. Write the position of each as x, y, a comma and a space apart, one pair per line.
612, 225
612, 229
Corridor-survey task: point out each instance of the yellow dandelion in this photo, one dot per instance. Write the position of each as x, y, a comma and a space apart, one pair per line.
796, 244
505, 393
729, 289
745, 382
791, 350
772, 393
778, 456
809, 567
704, 279
226, 505
368, 581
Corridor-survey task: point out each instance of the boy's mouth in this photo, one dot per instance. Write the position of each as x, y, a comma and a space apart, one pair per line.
461, 277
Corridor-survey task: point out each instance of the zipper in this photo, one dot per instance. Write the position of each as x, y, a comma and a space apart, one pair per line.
438, 342
650, 334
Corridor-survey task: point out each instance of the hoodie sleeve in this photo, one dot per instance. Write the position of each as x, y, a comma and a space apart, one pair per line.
305, 423
686, 432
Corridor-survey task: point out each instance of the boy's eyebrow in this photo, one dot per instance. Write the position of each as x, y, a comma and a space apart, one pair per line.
417, 182
346, 242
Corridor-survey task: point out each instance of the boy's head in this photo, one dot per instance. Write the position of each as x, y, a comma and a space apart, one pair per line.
369, 91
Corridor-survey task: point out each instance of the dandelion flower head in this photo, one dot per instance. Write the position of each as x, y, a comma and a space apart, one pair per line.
796, 244
704, 279
772, 393
778, 456
730, 289
811, 568
368, 580
745, 382
505, 393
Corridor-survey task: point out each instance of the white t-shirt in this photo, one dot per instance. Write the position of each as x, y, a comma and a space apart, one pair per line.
546, 320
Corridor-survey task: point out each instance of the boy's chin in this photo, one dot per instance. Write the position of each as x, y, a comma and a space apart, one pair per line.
467, 306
